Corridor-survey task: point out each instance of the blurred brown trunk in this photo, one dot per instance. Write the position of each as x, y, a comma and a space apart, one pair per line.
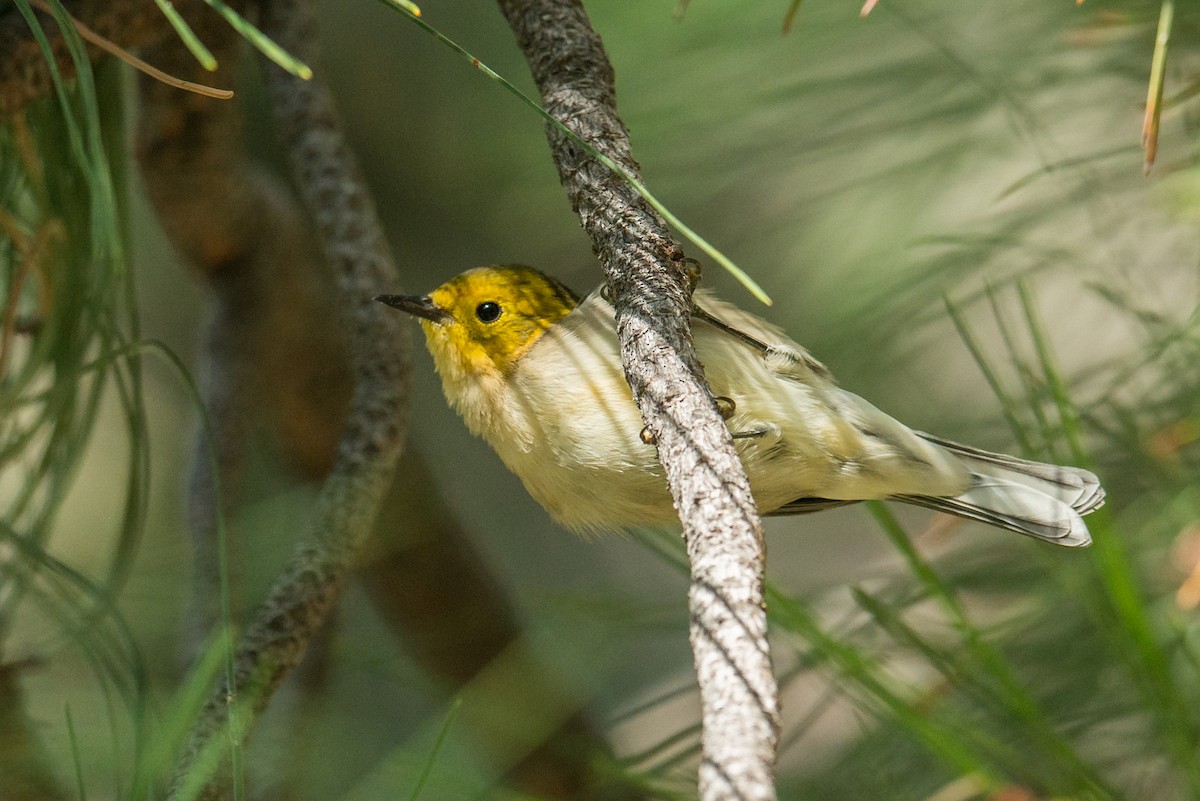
24, 775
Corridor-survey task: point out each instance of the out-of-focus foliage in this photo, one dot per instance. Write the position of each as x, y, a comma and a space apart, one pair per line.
67, 340
946, 201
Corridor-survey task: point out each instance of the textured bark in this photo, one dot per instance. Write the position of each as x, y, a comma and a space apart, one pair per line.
235, 225
650, 283
355, 251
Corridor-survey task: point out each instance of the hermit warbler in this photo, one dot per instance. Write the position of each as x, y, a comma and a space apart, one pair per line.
537, 373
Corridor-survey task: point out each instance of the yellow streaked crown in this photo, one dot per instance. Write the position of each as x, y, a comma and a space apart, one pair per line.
495, 315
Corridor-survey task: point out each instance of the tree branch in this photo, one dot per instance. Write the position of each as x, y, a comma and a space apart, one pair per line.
646, 271
238, 227
355, 251
649, 280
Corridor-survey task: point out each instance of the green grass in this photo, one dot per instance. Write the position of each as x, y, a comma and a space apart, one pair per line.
1070, 673
69, 254
1001, 703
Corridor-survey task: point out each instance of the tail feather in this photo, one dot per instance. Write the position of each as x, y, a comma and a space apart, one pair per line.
1073, 485
1015, 507
1039, 500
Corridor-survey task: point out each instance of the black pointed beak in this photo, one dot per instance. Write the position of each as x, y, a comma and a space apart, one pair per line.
417, 305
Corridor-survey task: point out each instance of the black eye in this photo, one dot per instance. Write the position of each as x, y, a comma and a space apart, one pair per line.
488, 312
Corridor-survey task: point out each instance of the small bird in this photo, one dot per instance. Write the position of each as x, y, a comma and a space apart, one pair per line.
537, 373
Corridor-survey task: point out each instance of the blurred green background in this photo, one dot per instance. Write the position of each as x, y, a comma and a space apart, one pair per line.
866, 171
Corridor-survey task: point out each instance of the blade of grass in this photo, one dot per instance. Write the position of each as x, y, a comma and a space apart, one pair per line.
1033, 393
720, 258
208, 761
261, 41
438, 742
959, 749
110, 251
1145, 653
653, 702
186, 35
656, 759
129, 58
1016, 697
815, 711
1154, 93
236, 725
1068, 417
790, 17
186, 704
1078, 780
111, 655
62, 421
114, 653
1008, 406
75, 137
1165, 337
73, 188
405, 5
955, 674
891, 622
76, 761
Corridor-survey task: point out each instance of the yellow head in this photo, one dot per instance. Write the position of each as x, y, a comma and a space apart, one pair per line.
479, 324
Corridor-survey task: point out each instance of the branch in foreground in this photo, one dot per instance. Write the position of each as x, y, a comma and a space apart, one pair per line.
649, 280
356, 252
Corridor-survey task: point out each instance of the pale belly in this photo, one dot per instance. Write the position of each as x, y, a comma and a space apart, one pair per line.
573, 434
587, 464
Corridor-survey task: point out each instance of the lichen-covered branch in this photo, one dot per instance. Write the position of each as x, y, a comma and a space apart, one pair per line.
650, 282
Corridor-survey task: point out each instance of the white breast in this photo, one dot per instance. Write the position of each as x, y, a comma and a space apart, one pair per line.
584, 459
